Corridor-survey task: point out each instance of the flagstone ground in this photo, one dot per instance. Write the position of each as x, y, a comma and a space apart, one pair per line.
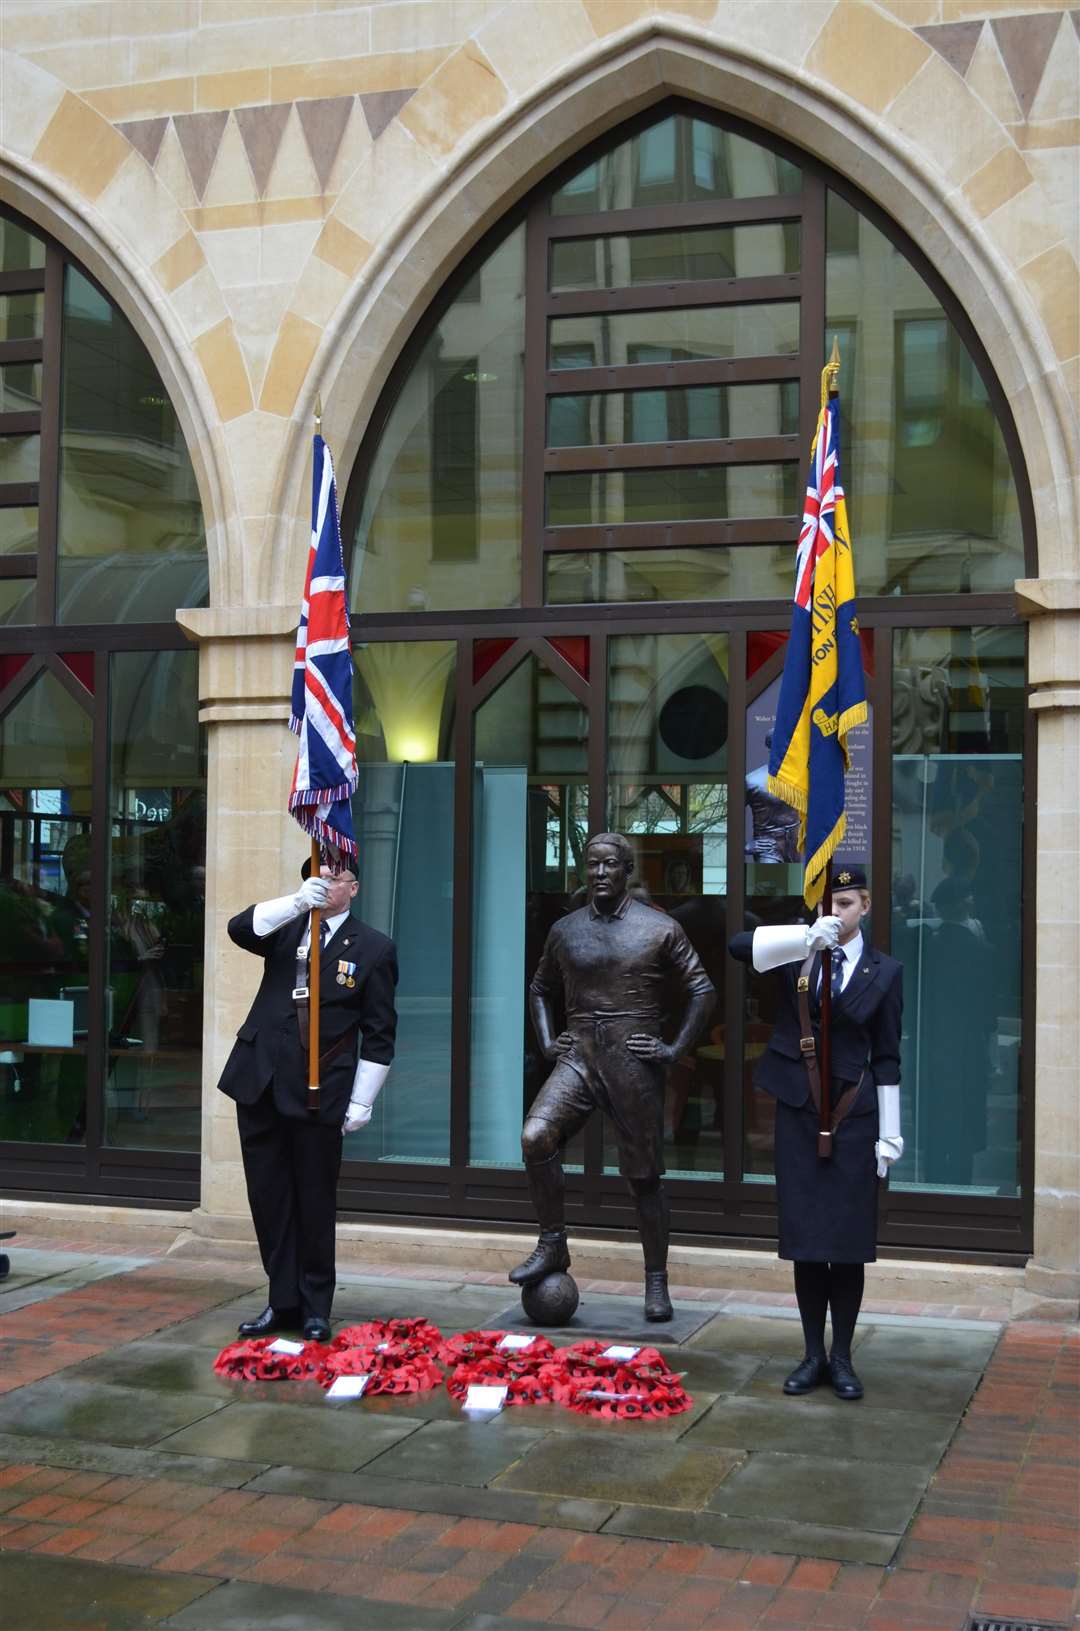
139, 1490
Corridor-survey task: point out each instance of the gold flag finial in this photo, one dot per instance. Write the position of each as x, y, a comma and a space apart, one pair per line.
318, 413
830, 374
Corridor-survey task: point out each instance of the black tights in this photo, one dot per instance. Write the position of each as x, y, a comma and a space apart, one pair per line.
820, 1287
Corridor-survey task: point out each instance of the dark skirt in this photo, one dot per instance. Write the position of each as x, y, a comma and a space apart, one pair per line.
827, 1210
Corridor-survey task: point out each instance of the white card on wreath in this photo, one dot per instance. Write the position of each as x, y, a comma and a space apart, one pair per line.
618, 1351
348, 1387
483, 1398
284, 1346
512, 1341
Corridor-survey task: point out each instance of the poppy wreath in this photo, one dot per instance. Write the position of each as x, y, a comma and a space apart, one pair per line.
645, 1387
388, 1372
404, 1337
522, 1380
253, 1362
472, 1345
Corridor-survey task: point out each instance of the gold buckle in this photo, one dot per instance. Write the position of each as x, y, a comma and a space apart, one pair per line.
804, 982
806, 1044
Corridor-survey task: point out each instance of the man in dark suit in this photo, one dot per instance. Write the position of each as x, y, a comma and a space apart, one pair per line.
292, 1155
827, 1208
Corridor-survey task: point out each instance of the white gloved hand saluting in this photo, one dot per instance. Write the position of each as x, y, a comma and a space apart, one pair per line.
274, 914
890, 1145
367, 1082
823, 934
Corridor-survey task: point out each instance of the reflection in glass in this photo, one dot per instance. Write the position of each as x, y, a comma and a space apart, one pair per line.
682, 334
675, 161
20, 458
683, 413
530, 815
750, 571
403, 813
628, 259
45, 915
440, 525
19, 530
22, 316
932, 502
667, 790
20, 387
153, 1081
670, 493
18, 601
957, 822
131, 540
20, 251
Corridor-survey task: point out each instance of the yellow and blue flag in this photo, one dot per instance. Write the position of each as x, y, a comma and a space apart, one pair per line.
823, 691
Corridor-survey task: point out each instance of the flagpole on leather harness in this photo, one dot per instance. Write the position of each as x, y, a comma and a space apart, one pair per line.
829, 387
314, 959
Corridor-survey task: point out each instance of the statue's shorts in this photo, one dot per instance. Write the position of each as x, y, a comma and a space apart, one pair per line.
600, 1073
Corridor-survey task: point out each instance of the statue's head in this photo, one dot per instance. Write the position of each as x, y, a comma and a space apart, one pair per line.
609, 866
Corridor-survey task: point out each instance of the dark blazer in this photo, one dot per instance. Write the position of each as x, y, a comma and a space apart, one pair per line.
267, 1048
866, 1020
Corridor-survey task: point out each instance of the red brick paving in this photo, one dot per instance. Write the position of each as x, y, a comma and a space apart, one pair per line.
997, 1530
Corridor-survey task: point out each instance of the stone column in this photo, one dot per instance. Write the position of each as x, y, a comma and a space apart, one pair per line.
254, 850
1053, 1272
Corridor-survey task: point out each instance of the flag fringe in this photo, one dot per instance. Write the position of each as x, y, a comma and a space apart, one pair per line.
789, 792
321, 795
857, 714
295, 725
814, 887
316, 828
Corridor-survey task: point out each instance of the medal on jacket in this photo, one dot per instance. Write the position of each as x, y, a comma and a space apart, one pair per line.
346, 973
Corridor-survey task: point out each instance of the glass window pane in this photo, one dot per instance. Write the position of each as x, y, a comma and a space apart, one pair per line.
20, 387
18, 601
750, 572
676, 161
673, 493
932, 502
957, 825
684, 413
153, 1084
19, 530
20, 458
46, 913
20, 251
403, 813
22, 316
687, 334
131, 540
627, 259
440, 525
530, 821
667, 791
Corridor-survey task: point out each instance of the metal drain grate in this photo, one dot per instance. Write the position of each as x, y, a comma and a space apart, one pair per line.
992, 1624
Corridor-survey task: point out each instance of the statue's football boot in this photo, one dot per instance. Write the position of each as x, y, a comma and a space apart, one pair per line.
657, 1302
551, 1255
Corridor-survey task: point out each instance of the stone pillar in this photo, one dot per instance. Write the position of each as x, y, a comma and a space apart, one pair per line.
1053, 1271
254, 850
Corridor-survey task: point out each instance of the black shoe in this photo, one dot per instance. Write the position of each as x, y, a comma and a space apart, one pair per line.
811, 1373
316, 1330
657, 1302
845, 1384
269, 1321
551, 1255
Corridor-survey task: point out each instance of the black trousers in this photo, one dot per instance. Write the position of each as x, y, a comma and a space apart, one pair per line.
291, 1167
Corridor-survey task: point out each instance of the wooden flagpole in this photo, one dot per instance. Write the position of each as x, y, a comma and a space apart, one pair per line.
829, 387
314, 948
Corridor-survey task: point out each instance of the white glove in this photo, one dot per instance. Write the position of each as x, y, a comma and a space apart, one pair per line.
779, 943
368, 1080
890, 1145
274, 914
823, 934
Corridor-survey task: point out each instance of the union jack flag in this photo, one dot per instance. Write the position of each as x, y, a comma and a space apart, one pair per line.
322, 717
823, 691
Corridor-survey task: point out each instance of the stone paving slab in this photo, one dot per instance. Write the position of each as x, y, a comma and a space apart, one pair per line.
291, 1435
757, 1334
65, 1594
241, 1605
806, 1426
81, 1455
839, 1494
618, 1470
753, 1534
61, 1406
891, 1384
458, 1452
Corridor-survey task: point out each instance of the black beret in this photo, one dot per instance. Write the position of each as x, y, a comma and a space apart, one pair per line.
848, 875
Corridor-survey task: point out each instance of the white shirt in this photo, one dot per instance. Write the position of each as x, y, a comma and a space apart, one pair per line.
333, 924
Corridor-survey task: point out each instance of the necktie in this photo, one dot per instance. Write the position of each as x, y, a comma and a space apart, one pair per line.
324, 934
838, 961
